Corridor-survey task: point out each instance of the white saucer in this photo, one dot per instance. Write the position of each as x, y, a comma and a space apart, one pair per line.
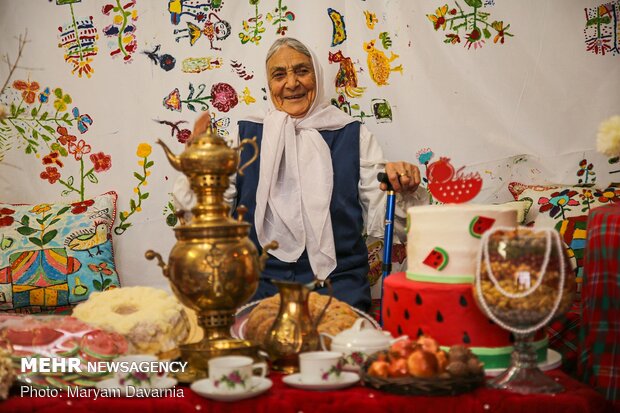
163, 383
205, 388
554, 360
346, 379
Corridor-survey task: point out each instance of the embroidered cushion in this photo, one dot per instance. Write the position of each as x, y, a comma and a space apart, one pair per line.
565, 208
53, 255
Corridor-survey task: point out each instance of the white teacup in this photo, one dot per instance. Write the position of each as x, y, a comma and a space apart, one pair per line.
320, 367
233, 374
146, 374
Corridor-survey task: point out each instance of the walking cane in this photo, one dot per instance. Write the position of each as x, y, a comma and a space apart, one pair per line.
387, 237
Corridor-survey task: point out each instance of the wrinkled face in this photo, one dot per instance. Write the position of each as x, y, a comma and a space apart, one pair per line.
292, 83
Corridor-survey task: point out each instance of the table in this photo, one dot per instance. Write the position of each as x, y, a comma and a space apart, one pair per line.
283, 399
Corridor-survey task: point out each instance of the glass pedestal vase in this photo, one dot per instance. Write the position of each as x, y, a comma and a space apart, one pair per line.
523, 282
523, 375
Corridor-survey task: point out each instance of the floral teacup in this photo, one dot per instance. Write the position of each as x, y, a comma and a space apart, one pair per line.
320, 367
138, 371
233, 374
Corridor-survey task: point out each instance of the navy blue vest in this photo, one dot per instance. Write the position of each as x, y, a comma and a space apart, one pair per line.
345, 210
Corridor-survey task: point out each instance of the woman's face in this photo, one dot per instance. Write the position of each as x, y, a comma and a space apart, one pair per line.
292, 83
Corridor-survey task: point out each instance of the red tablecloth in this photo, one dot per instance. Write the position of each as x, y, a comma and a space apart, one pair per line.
281, 399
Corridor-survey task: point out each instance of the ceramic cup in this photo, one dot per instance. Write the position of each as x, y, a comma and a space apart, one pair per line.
321, 367
143, 372
233, 374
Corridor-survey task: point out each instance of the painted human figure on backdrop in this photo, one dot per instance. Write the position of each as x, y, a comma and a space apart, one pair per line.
214, 29
314, 187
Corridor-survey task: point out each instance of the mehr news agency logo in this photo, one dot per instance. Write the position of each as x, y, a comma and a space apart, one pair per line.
142, 370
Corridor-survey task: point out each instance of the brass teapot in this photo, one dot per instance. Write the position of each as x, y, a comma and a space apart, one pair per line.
293, 331
214, 267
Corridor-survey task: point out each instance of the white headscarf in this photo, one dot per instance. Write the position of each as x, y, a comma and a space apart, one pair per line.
296, 181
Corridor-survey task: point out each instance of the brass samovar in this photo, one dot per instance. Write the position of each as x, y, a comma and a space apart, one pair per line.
214, 267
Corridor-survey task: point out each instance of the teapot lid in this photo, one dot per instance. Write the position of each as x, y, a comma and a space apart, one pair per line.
359, 334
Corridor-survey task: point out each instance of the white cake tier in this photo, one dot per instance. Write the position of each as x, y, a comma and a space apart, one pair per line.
443, 240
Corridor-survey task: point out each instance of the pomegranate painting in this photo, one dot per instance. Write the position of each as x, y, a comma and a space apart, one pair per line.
450, 186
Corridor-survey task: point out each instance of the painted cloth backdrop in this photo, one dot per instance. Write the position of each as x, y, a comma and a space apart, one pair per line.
511, 90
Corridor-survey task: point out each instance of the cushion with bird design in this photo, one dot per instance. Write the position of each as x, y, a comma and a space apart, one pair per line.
53, 255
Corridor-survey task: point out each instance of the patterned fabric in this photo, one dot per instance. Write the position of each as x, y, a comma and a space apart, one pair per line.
54, 255
599, 338
563, 336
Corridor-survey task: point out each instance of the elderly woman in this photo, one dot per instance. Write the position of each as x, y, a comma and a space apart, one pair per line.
314, 188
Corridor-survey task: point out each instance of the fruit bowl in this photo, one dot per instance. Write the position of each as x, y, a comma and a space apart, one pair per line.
442, 385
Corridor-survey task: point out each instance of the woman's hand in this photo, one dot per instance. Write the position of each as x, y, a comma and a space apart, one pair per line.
201, 125
403, 176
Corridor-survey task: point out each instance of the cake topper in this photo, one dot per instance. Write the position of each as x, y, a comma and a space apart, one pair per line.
452, 187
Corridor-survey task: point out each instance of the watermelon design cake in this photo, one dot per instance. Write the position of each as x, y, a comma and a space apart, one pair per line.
443, 240
435, 296
449, 314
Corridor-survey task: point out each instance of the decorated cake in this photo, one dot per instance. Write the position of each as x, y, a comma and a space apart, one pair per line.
435, 296
151, 320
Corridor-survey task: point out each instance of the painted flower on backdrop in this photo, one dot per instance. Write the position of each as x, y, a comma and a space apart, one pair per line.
6, 218
80, 207
585, 173
83, 121
223, 97
173, 100
144, 150
424, 156
29, 90
558, 202
182, 135
50, 174
45, 95
52, 158
62, 100
608, 136
101, 161
608, 195
135, 205
80, 149
65, 138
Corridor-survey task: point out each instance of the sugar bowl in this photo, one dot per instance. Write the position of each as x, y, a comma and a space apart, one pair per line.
359, 342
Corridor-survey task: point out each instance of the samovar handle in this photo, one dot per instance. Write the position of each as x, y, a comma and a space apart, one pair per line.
247, 141
262, 260
150, 255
